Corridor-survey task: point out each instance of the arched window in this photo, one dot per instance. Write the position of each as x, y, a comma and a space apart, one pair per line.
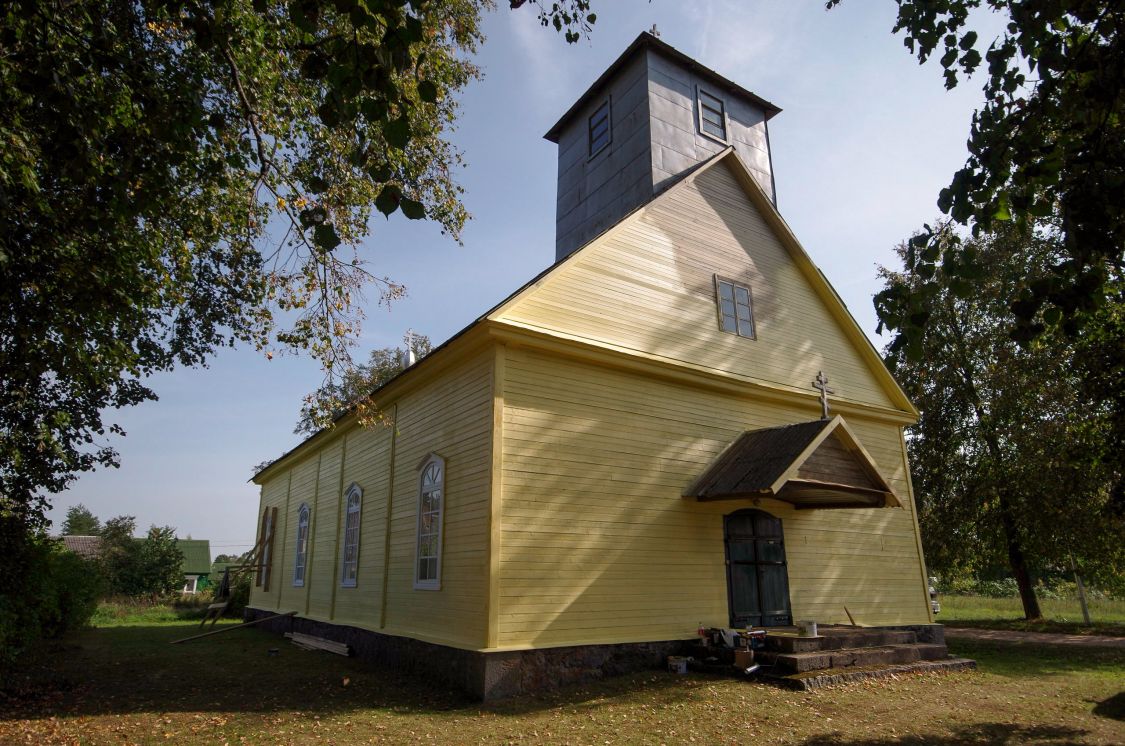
349, 552
431, 500
302, 552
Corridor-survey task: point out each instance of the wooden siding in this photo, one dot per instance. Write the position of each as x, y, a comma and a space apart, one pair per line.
275, 493
452, 416
648, 286
597, 545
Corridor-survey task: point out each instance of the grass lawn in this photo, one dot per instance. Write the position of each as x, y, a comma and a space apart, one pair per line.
125, 684
1107, 615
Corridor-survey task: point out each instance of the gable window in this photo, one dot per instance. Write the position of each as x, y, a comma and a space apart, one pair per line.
712, 116
431, 499
736, 311
599, 128
302, 545
349, 554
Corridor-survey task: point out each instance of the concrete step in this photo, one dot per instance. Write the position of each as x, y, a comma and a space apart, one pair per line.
836, 639
886, 655
834, 676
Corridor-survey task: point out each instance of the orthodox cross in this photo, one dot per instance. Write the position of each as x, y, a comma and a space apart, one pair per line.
654, 32
821, 384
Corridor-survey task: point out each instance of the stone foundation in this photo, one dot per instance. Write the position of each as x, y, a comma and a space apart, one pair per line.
486, 676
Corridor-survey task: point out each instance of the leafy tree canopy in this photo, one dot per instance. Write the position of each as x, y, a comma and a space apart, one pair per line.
180, 175
353, 388
81, 522
1049, 140
1016, 458
151, 566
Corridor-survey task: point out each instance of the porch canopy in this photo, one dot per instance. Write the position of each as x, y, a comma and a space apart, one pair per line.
818, 464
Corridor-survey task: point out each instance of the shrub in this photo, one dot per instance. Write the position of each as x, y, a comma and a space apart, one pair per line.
45, 591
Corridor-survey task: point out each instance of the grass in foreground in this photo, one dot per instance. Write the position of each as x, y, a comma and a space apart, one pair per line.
127, 684
1107, 615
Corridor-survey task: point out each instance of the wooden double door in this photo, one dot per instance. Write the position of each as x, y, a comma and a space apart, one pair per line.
757, 575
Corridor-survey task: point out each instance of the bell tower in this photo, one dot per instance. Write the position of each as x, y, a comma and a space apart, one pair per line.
652, 116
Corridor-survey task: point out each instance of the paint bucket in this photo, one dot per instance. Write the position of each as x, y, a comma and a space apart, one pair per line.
677, 663
806, 629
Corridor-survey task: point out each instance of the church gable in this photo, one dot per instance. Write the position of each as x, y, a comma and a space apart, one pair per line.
653, 284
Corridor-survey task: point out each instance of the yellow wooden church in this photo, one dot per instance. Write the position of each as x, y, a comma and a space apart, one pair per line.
678, 423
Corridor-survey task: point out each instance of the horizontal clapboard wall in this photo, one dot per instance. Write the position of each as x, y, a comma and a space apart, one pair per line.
598, 546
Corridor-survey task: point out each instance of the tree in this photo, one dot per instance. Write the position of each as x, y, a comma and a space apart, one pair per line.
353, 388
81, 522
1014, 459
140, 567
159, 563
181, 175
1049, 141
119, 554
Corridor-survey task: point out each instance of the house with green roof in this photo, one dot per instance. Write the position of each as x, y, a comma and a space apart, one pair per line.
197, 564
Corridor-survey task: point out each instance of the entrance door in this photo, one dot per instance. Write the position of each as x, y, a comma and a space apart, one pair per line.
757, 578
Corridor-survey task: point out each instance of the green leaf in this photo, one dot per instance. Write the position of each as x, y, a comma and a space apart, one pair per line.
380, 172
388, 199
412, 208
325, 238
397, 132
427, 91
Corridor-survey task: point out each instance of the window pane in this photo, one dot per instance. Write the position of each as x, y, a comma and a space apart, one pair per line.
712, 116
726, 290
712, 129
729, 324
745, 328
726, 308
599, 128
707, 99
742, 295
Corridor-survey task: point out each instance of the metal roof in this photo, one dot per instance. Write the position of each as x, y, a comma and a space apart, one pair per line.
647, 41
197, 556
86, 547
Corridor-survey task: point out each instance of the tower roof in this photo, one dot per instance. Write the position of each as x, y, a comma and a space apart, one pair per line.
647, 41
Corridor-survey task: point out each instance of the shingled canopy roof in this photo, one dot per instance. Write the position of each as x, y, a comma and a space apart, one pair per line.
818, 464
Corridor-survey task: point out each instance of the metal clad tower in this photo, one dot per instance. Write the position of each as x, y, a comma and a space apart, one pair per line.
652, 116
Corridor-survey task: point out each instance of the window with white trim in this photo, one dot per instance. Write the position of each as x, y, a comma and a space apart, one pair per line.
431, 500
301, 558
349, 552
712, 116
599, 128
735, 306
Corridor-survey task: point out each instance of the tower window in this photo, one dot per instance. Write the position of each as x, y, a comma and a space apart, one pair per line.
712, 116
736, 312
599, 128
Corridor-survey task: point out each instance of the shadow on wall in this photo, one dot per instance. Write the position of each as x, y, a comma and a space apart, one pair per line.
596, 535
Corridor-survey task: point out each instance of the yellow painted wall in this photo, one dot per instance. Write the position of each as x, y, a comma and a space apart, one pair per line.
451, 415
598, 546
648, 286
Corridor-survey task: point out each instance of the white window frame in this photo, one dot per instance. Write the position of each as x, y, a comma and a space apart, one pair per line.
735, 286
700, 92
425, 488
301, 550
193, 581
607, 104
353, 504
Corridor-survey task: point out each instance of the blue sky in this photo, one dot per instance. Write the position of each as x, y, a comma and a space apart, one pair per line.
865, 140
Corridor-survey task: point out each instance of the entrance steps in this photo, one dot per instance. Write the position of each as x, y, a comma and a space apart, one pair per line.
839, 654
